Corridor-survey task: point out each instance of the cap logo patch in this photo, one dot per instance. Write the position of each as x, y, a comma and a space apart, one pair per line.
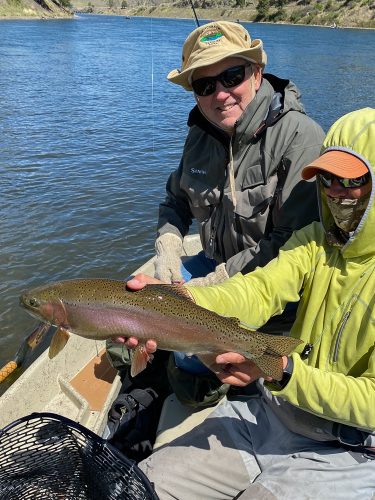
211, 38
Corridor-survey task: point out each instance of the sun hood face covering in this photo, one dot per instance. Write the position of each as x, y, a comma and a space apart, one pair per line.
347, 212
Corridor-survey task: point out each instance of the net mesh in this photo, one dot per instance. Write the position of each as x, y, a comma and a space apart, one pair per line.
47, 456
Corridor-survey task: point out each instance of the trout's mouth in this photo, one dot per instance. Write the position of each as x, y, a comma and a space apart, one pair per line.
32, 306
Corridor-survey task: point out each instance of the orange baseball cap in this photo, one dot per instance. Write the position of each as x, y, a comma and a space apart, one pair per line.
340, 163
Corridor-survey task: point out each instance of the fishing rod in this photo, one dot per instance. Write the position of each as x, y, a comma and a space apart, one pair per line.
195, 15
28, 344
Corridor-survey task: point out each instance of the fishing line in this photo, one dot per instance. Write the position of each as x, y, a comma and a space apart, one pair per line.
152, 87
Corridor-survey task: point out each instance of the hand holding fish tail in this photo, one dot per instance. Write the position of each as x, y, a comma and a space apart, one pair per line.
234, 369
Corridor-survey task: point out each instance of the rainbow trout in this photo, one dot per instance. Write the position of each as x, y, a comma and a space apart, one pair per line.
102, 308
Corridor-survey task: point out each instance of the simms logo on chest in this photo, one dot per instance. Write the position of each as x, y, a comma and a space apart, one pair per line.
198, 171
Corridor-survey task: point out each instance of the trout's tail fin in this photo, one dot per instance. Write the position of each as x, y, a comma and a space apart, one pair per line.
271, 365
278, 344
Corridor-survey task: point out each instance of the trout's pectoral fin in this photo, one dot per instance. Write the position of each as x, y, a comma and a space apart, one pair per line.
140, 360
58, 342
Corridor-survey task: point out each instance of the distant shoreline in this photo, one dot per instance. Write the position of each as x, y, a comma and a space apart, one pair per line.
77, 13
294, 15
237, 20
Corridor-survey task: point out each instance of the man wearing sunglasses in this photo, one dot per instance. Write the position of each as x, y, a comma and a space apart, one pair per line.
346, 183
239, 173
311, 434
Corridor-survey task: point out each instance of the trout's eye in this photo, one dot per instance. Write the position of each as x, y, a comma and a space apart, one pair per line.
34, 302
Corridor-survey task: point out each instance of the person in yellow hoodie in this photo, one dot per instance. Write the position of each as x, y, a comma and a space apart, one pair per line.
312, 435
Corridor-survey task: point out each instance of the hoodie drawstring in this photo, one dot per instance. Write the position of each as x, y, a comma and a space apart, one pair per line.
231, 176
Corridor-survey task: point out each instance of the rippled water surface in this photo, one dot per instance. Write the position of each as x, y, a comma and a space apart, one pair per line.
90, 129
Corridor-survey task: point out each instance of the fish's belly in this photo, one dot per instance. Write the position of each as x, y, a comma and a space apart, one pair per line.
101, 322
170, 332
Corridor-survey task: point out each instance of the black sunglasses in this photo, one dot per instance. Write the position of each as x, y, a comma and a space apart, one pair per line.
231, 77
326, 179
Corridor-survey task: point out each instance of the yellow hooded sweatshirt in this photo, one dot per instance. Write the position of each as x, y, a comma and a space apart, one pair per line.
336, 313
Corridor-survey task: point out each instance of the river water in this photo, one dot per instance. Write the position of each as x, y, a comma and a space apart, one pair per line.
90, 129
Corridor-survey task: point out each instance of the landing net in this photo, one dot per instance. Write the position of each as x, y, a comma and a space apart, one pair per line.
46, 456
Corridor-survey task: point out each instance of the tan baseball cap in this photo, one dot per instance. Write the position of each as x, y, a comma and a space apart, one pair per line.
212, 43
340, 163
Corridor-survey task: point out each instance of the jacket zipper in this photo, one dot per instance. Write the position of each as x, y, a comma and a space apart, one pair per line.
212, 243
339, 335
210, 252
351, 303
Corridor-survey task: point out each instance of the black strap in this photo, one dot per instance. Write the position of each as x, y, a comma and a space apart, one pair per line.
126, 406
144, 397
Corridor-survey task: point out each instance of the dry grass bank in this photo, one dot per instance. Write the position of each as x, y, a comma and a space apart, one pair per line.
32, 9
339, 13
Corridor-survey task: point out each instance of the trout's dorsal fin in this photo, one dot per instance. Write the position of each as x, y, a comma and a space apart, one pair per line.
241, 324
247, 326
58, 342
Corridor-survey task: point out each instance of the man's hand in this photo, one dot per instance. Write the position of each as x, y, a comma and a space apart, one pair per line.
234, 369
138, 282
132, 342
168, 249
218, 276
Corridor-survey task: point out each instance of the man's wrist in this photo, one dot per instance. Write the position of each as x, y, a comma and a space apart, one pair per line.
287, 373
285, 361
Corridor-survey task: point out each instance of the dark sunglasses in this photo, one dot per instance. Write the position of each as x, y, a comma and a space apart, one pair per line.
326, 179
231, 77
